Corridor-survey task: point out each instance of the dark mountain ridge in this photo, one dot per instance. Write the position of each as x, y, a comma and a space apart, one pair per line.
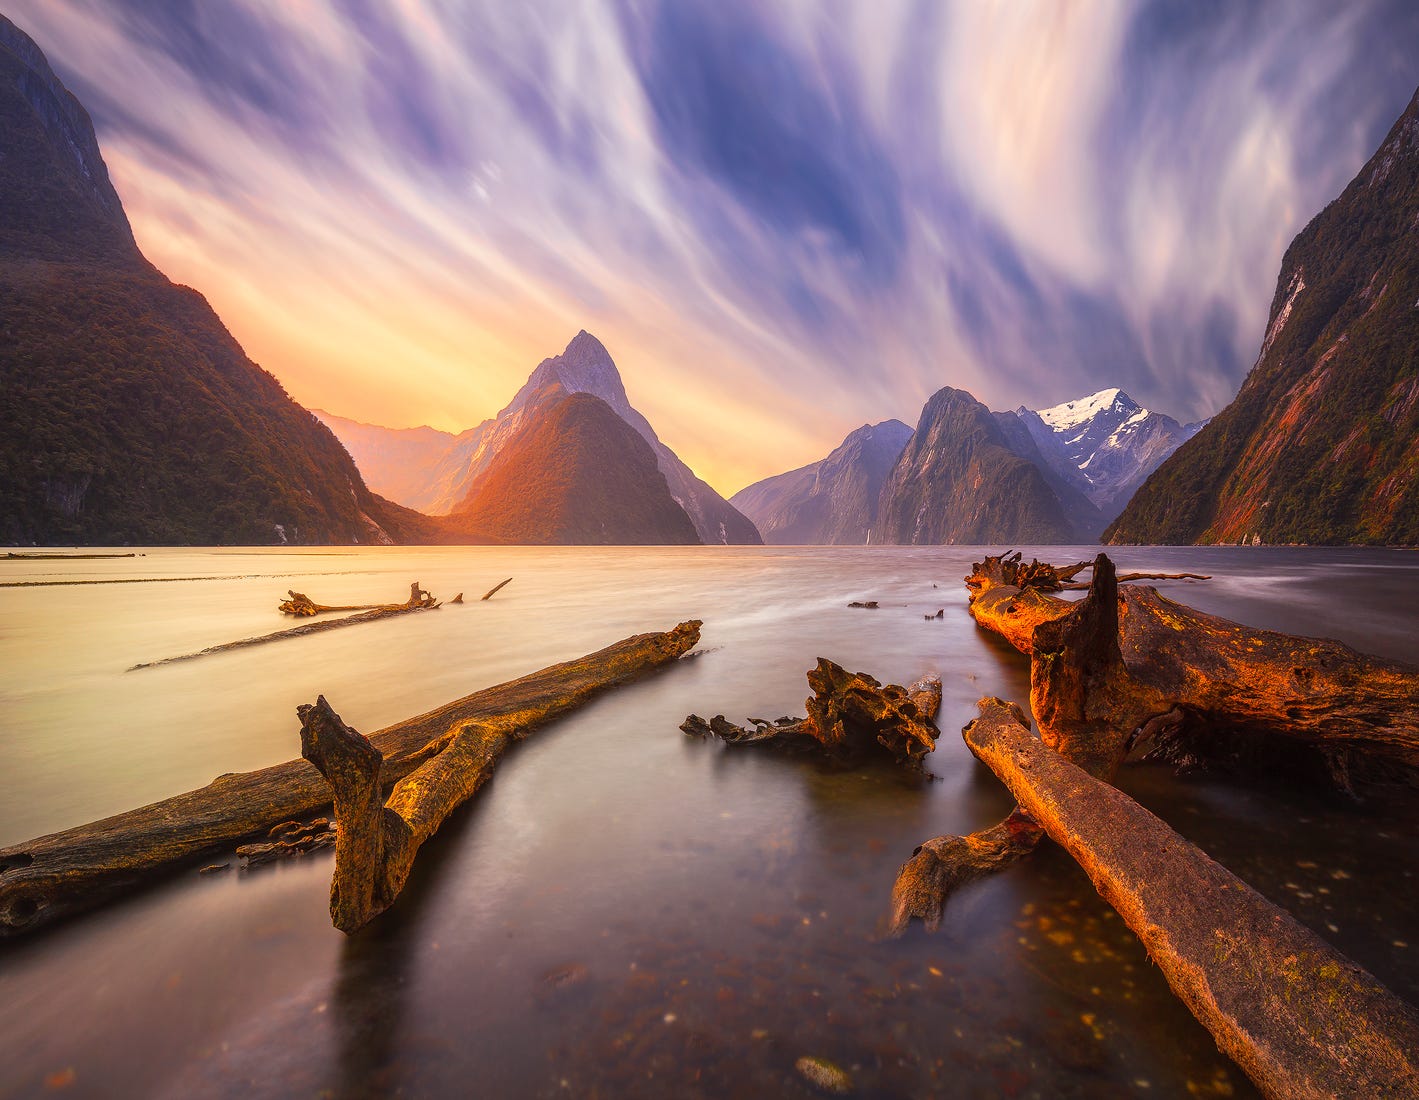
958, 481
1321, 444
131, 415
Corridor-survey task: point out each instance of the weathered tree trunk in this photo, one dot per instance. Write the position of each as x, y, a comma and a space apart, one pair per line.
1126, 666
59, 875
1300, 1018
378, 839
298, 603
1197, 683
849, 715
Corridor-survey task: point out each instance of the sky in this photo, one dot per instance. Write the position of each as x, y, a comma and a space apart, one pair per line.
783, 219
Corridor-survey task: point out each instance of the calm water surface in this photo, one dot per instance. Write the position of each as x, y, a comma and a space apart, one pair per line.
624, 911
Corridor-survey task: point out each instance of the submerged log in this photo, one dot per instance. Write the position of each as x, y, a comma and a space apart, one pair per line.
56, 876
849, 715
490, 593
944, 864
295, 632
1300, 1018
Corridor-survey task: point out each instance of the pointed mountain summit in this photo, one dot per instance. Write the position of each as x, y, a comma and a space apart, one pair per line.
1105, 445
831, 502
575, 473
130, 414
584, 367
1321, 444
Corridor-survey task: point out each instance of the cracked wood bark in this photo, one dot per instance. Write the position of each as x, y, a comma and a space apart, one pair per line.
850, 714
56, 876
1126, 665
1300, 1018
1204, 682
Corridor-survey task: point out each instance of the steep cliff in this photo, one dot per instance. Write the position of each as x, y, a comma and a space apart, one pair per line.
130, 414
1321, 444
958, 481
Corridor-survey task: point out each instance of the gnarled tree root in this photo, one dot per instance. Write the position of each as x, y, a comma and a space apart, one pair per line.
52, 877
944, 864
1300, 1018
849, 715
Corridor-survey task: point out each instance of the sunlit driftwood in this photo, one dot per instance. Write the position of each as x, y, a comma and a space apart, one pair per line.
56, 876
849, 715
1299, 1017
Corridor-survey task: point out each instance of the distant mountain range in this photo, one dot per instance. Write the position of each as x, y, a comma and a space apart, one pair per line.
967, 475
1321, 444
440, 473
129, 413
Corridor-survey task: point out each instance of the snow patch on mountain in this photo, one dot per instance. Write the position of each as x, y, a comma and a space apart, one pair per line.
1105, 444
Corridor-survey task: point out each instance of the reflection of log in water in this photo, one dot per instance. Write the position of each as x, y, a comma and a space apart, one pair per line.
378, 837
56, 876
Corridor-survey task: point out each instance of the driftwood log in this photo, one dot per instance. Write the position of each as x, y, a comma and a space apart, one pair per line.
298, 603
490, 593
304, 630
1197, 686
850, 715
1300, 1018
56, 876
1125, 666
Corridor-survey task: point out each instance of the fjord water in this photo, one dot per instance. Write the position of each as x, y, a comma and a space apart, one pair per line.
623, 910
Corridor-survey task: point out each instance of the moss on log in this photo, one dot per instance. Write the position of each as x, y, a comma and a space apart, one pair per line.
56, 876
1300, 1018
850, 715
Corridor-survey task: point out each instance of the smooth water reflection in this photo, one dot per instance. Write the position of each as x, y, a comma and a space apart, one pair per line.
624, 911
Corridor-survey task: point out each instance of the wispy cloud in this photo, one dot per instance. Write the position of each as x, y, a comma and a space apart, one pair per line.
782, 219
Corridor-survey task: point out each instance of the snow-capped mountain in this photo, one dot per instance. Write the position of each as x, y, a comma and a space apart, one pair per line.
1105, 444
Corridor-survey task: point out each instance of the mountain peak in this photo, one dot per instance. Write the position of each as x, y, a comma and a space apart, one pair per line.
56, 200
1071, 414
584, 367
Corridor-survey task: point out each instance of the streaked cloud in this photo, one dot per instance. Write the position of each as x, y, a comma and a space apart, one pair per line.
782, 219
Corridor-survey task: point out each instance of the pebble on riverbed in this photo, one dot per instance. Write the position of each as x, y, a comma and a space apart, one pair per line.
824, 1074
